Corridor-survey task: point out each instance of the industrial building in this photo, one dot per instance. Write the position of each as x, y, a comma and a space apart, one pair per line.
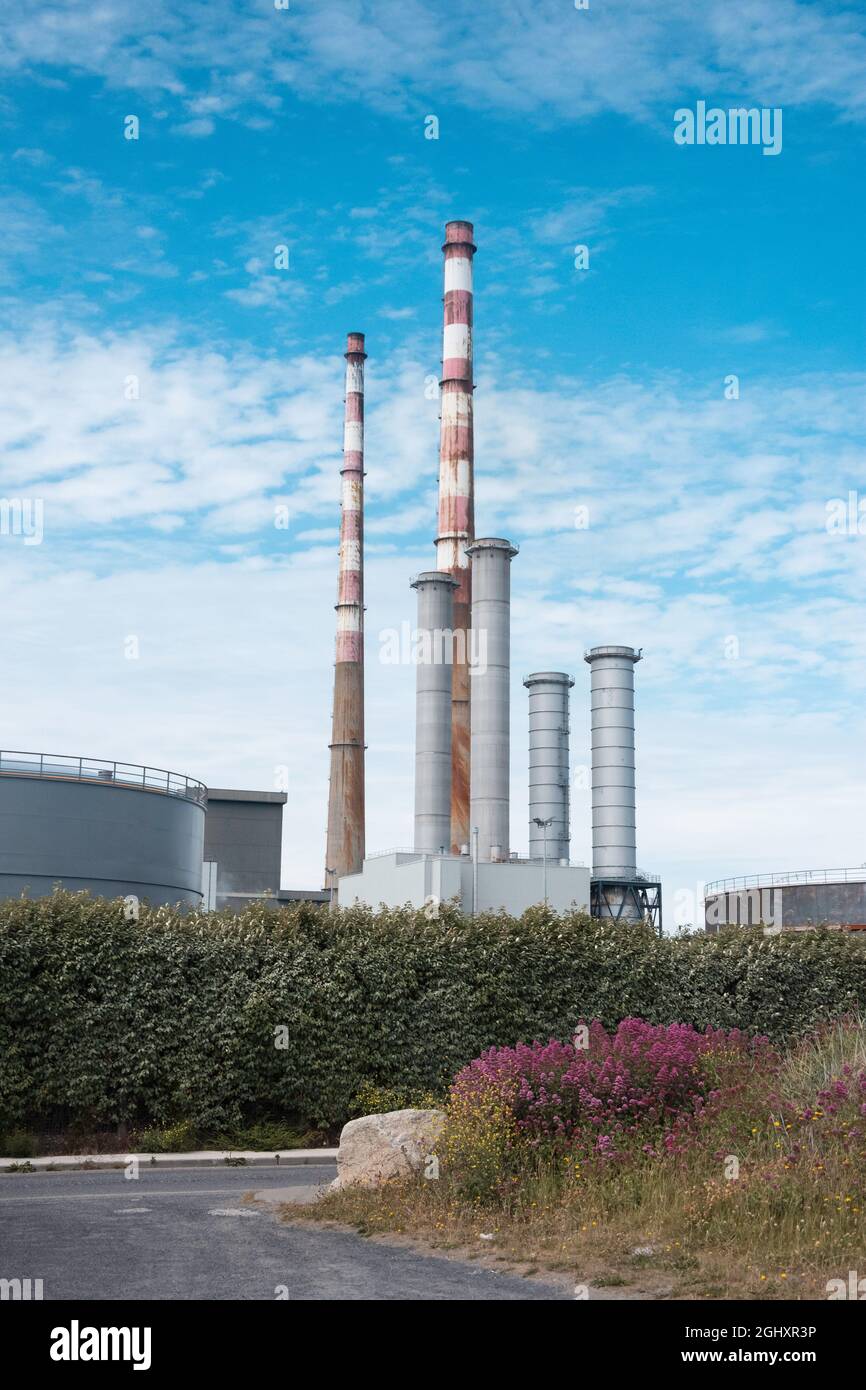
121, 829
118, 829
799, 900
243, 841
461, 847
397, 877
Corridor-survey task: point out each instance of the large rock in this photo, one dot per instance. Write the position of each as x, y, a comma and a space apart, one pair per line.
375, 1148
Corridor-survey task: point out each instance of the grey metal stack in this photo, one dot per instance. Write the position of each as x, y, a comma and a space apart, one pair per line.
435, 590
614, 853
548, 764
490, 695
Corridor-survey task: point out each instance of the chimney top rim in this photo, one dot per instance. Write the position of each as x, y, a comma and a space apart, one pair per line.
434, 577
633, 654
459, 232
548, 677
491, 543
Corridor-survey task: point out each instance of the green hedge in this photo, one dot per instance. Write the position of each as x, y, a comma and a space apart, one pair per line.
104, 1020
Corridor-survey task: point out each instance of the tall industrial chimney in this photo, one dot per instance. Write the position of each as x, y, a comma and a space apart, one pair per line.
345, 848
613, 808
548, 764
433, 711
491, 678
456, 499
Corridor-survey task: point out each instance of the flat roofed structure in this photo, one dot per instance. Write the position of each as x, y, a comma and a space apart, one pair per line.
512, 885
244, 838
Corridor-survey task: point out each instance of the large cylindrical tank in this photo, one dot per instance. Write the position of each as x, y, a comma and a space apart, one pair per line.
490, 721
111, 828
796, 900
548, 764
614, 852
435, 591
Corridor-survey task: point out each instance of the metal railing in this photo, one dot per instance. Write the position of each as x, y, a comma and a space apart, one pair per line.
789, 879
60, 767
434, 854
639, 876
397, 849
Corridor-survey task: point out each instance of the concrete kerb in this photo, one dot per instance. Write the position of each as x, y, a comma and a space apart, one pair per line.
203, 1158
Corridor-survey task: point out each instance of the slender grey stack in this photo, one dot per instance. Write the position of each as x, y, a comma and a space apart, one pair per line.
490, 722
435, 590
548, 763
614, 854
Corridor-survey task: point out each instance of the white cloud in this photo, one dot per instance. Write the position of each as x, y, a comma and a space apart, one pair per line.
547, 59
741, 333
113, 427
35, 157
198, 129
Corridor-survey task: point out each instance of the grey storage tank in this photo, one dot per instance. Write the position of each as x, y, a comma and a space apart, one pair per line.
548, 764
792, 900
112, 828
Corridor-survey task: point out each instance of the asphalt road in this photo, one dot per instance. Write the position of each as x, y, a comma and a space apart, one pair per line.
183, 1234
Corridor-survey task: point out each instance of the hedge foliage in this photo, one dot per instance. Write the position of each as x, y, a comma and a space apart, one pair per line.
174, 1016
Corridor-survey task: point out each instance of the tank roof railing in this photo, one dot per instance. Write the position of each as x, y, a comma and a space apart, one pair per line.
60, 767
788, 878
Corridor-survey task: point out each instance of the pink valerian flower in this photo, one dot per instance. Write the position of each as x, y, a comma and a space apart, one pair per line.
642, 1076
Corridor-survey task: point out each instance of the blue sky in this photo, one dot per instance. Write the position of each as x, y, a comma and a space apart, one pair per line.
707, 544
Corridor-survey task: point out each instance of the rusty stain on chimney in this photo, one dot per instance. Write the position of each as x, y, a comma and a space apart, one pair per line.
456, 499
345, 845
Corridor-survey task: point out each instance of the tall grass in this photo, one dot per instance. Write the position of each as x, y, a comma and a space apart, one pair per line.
808, 1069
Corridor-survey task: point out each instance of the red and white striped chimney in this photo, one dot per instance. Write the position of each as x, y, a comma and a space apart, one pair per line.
457, 498
345, 847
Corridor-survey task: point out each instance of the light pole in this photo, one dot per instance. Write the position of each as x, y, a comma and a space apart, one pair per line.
543, 825
474, 870
333, 883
